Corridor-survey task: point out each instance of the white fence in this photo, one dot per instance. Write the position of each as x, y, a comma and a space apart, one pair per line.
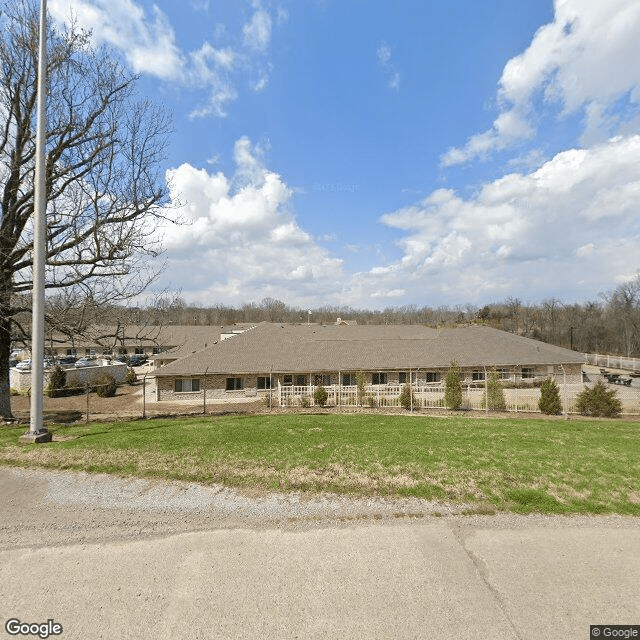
613, 362
432, 396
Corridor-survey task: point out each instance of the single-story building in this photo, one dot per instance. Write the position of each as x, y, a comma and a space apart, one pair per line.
288, 361
149, 340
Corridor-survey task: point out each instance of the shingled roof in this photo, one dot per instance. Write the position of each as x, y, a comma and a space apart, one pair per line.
315, 348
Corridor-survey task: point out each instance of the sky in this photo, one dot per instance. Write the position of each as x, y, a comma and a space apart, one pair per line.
375, 154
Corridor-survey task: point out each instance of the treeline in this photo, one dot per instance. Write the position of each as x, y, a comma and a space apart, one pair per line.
610, 325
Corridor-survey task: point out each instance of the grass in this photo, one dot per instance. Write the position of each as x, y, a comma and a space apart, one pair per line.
524, 466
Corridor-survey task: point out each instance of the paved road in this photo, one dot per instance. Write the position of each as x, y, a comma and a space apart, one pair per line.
113, 558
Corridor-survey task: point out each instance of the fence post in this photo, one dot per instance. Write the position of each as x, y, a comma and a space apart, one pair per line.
86, 390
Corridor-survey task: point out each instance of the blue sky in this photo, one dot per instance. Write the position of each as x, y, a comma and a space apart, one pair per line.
380, 154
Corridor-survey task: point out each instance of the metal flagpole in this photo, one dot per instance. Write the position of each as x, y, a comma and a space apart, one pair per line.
37, 432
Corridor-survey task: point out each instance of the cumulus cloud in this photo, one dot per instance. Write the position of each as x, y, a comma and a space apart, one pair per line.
148, 44
241, 240
585, 62
570, 225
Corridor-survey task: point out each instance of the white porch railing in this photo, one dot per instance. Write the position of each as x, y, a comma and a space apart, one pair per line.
432, 396
613, 362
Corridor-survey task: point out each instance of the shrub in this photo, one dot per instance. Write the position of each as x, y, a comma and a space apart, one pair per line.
371, 401
453, 387
598, 401
14, 392
494, 395
361, 381
131, 376
106, 386
57, 383
550, 402
320, 396
305, 402
407, 399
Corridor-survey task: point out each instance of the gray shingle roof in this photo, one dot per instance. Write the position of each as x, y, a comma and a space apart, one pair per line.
315, 348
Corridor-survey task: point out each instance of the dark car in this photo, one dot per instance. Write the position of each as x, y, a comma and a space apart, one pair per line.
66, 360
137, 359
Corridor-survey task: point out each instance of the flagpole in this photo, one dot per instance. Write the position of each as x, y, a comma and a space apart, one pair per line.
37, 432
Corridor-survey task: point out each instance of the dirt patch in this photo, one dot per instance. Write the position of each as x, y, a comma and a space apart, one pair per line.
127, 403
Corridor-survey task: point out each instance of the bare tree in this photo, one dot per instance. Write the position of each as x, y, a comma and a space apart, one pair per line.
103, 150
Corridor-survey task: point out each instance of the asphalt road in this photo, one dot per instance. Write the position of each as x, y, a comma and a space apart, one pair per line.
116, 558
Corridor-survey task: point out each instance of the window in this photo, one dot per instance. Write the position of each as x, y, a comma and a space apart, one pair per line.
301, 381
477, 375
348, 380
139, 351
403, 377
264, 382
321, 379
433, 376
528, 373
287, 380
234, 384
379, 378
70, 352
503, 374
183, 385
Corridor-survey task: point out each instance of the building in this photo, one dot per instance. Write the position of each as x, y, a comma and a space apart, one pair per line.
172, 341
286, 362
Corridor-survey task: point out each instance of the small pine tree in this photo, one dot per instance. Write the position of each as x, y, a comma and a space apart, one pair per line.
407, 399
106, 386
598, 401
550, 402
131, 376
57, 383
361, 381
320, 396
494, 398
453, 387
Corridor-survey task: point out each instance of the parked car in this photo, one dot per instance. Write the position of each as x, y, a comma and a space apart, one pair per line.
137, 359
86, 362
25, 365
67, 360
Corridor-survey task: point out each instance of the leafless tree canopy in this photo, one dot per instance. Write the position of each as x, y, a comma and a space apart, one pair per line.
104, 149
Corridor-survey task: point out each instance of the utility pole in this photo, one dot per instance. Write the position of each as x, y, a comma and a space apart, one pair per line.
37, 432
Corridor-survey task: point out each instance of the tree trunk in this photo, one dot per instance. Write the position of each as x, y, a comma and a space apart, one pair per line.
5, 352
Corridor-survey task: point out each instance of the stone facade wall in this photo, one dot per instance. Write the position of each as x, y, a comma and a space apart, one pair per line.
22, 379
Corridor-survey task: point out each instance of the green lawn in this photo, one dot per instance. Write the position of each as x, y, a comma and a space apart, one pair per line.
550, 466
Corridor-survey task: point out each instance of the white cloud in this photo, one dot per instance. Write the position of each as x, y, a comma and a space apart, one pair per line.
257, 32
585, 61
384, 59
147, 42
149, 45
242, 241
573, 220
